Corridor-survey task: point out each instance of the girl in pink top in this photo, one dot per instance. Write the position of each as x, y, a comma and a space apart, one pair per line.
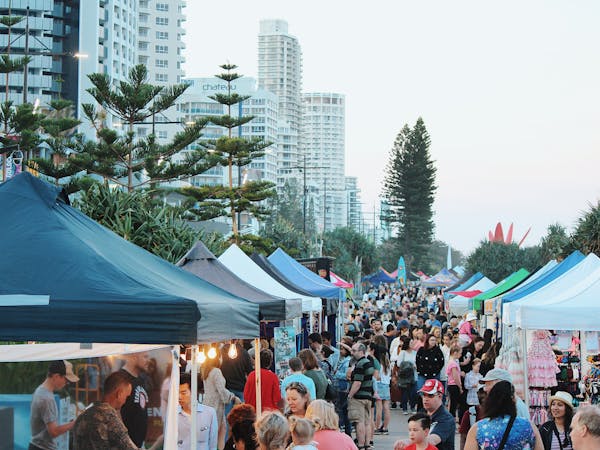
454, 382
328, 436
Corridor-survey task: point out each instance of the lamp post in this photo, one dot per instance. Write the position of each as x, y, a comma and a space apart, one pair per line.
303, 168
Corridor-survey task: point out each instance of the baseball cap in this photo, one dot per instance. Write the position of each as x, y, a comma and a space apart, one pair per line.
497, 375
404, 324
64, 368
432, 386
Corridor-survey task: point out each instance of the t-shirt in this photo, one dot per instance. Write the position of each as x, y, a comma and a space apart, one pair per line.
236, 370
299, 378
452, 364
43, 412
320, 380
334, 440
99, 428
443, 424
414, 447
270, 395
363, 372
133, 412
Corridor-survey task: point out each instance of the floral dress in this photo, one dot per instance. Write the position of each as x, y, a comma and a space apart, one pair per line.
491, 431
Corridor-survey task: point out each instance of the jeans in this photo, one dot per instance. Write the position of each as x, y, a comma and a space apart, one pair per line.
341, 408
229, 407
409, 397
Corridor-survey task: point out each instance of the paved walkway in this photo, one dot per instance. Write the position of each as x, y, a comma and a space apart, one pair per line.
398, 430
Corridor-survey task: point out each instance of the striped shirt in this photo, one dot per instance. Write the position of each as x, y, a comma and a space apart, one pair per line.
363, 372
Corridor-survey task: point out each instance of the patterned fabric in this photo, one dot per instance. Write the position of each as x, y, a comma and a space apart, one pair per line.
100, 428
541, 361
363, 372
216, 394
490, 432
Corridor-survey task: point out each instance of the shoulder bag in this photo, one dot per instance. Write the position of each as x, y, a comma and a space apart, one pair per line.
506, 433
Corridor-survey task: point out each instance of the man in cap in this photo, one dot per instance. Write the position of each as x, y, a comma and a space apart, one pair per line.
495, 375
44, 412
585, 428
443, 426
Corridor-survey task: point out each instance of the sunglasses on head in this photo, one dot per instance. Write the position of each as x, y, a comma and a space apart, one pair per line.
297, 386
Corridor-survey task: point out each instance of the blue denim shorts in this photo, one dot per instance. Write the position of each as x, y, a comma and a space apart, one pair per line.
383, 390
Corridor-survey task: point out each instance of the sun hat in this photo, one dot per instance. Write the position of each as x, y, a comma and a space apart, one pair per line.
471, 316
432, 386
64, 368
497, 375
562, 396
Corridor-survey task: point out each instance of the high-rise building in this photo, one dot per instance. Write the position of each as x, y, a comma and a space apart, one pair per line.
323, 141
354, 205
195, 103
160, 48
280, 71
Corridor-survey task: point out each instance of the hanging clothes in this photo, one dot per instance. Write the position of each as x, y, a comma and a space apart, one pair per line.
541, 361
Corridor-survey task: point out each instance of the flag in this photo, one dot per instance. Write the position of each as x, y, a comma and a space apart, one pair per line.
401, 271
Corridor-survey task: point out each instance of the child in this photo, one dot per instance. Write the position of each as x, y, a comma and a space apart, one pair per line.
303, 432
418, 429
454, 381
472, 383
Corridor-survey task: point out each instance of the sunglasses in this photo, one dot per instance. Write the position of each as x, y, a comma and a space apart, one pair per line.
298, 387
423, 394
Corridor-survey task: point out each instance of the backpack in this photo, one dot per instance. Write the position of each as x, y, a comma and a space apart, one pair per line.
406, 374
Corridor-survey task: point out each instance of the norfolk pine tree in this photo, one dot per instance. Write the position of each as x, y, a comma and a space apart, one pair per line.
233, 151
409, 188
121, 158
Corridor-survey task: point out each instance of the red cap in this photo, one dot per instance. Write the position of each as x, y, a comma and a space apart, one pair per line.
432, 387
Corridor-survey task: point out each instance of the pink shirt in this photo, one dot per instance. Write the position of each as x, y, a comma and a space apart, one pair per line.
452, 364
334, 440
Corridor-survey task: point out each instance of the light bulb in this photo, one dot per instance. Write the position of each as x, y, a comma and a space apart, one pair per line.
212, 353
201, 357
232, 353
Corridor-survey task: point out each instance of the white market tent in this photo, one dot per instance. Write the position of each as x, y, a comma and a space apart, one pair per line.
241, 264
460, 305
566, 286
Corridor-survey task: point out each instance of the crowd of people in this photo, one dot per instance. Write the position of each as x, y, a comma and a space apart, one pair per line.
400, 351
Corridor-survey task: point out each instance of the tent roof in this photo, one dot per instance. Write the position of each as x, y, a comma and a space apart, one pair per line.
575, 308
459, 304
239, 263
463, 284
379, 277
441, 279
510, 282
303, 277
554, 291
546, 277
202, 263
101, 287
339, 281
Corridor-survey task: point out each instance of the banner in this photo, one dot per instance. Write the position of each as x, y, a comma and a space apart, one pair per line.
285, 349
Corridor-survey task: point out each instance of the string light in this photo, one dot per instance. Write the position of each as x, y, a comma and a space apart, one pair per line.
212, 352
201, 357
232, 350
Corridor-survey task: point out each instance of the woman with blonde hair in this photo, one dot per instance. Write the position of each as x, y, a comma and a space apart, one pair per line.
272, 431
328, 435
216, 394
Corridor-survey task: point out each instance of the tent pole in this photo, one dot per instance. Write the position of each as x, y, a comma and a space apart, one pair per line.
525, 378
257, 377
193, 434
170, 437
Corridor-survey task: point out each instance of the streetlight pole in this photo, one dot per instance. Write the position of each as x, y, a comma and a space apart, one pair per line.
304, 188
25, 67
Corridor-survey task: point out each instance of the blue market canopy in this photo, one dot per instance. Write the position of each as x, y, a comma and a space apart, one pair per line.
202, 263
379, 277
303, 277
101, 287
567, 264
443, 278
463, 285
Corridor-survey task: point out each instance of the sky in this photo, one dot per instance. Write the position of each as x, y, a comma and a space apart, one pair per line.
509, 92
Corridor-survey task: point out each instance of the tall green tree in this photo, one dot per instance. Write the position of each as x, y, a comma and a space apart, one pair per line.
586, 236
237, 197
354, 254
129, 161
409, 189
555, 244
497, 260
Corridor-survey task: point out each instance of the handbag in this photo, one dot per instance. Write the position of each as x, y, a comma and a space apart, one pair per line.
331, 393
506, 432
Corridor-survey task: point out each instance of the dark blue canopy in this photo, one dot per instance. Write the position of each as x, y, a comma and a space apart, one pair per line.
101, 287
379, 277
568, 263
303, 277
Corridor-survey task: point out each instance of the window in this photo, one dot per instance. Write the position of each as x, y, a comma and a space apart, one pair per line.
161, 77
162, 134
161, 63
162, 21
142, 45
162, 35
162, 6
161, 49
